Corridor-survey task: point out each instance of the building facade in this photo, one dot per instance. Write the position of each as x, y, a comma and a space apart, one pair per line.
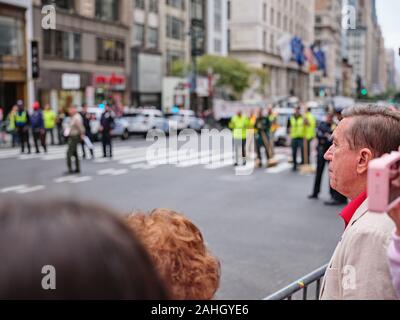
366, 47
217, 27
391, 68
328, 36
257, 26
86, 58
15, 53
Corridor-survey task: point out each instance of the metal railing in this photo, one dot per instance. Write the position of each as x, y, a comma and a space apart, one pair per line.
302, 284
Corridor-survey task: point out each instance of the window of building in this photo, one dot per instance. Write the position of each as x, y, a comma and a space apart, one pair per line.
264, 12
175, 28
107, 10
217, 46
172, 56
229, 40
12, 37
153, 6
179, 4
138, 31
271, 17
272, 43
62, 45
152, 38
110, 51
60, 4
264, 41
196, 9
139, 4
217, 15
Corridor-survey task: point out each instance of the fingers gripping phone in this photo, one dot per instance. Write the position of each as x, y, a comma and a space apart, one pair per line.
384, 183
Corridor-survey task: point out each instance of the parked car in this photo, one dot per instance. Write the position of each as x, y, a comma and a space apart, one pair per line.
185, 119
142, 120
281, 137
121, 129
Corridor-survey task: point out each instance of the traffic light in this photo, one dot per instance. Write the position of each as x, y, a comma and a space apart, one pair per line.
364, 92
35, 59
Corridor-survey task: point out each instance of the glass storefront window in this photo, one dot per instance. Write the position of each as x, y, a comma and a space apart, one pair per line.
12, 37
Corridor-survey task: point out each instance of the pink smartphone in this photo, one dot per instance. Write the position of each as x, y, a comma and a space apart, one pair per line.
382, 195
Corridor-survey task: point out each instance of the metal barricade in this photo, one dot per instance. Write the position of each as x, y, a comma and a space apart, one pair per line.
301, 284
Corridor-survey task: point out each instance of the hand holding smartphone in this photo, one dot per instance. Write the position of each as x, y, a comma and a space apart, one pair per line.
384, 183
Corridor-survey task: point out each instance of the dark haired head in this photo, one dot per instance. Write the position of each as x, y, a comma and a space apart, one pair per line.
94, 254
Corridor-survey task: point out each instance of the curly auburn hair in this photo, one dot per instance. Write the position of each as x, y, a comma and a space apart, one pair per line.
177, 248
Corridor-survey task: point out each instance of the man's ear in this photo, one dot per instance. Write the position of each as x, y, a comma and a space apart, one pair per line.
364, 157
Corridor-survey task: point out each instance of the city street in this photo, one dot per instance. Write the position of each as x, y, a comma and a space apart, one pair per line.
262, 227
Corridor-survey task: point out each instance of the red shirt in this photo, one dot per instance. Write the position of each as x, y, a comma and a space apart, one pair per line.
349, 211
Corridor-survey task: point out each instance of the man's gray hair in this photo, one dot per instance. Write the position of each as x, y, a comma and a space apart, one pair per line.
374, 127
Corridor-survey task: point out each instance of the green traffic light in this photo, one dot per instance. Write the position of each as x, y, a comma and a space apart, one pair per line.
364, 92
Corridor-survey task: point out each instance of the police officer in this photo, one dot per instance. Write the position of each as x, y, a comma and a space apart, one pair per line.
324, 136
310, 124
38, 131
262, 129
337, 199
86, 117
49, 117
239, 125
22, 123
107, 124
296, 131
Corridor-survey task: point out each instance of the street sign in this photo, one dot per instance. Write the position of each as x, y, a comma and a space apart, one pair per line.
35, 59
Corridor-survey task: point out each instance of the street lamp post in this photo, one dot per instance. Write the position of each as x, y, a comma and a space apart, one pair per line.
197, 49
2, 98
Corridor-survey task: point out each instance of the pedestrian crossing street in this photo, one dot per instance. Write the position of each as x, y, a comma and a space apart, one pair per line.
127, 159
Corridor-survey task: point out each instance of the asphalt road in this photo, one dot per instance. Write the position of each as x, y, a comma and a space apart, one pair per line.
261, 226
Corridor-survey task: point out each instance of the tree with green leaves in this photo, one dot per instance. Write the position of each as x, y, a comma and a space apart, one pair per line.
232, 74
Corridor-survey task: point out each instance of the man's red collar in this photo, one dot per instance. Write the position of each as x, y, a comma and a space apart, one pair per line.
349, 211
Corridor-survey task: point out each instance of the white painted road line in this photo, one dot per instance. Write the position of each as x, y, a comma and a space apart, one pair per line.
112, 172
81, 179
72, 179
14, 188
31, 189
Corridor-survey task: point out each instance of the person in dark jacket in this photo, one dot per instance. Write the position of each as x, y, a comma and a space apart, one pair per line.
88, 131
38, 130
106, 126
262, 129
22, 123
324, 136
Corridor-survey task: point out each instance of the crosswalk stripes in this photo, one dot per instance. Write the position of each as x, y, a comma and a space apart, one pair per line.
22, 189
73, 179
143, 158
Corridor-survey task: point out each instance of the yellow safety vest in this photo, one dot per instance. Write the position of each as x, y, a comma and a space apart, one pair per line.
11, 121
239, 125
21, 118
310, 130
296, 127
274, 124
49, 117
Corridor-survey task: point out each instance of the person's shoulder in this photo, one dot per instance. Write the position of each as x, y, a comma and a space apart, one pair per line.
373, 224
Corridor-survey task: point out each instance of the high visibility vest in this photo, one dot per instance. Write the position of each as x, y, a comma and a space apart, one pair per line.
274, 124
296, 127
252, 123
21, 118
310, 130
239, 125
49, 117
11, 121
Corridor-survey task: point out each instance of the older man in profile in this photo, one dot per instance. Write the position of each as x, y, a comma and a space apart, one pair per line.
359, 268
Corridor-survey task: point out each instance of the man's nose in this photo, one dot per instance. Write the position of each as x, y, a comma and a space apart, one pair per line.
328, 155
